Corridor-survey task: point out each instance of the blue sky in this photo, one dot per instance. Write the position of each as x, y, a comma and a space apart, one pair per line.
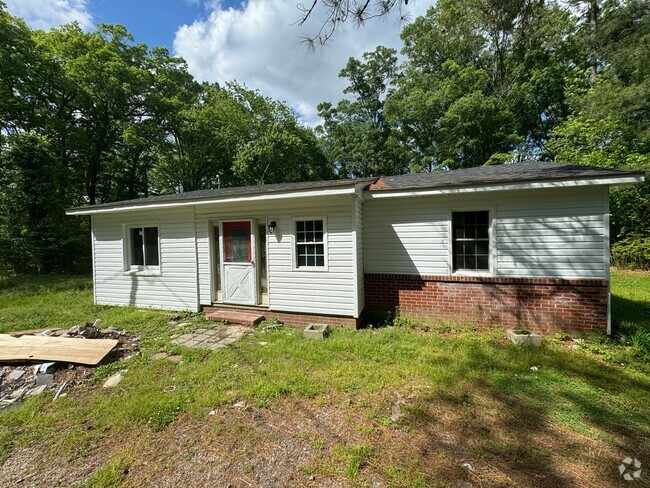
150, 21
253, 42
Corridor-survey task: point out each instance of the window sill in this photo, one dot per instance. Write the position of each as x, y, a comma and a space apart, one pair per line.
317, 269
476, 273
143, 272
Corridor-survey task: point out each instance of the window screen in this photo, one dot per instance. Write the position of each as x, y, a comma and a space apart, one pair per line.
310, 246
471, 240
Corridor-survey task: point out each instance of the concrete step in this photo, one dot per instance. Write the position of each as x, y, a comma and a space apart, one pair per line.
236, 317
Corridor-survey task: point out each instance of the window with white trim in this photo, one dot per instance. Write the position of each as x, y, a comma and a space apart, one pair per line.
143, 247
471, 241
310, 244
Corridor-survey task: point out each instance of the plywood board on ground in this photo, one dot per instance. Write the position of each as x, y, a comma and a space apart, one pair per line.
47, 348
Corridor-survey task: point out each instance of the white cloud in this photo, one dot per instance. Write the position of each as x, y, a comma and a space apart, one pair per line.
258, 45
45, 14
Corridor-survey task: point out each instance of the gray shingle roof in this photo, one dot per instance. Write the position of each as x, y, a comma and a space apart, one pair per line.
525, 171
227, 192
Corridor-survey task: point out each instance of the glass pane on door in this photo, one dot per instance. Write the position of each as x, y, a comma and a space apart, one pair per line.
237, 242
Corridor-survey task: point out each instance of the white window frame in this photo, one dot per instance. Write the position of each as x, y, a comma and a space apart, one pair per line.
492, 248
130, 269
294, 244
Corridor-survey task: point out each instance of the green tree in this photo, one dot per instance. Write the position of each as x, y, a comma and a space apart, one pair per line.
356, 135
481, 80
610, 120
110, 76
35, 234
236, 136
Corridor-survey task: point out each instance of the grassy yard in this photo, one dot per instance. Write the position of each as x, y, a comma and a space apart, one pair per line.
391, 406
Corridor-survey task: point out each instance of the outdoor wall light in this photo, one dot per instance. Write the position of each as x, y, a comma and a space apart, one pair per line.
272, 225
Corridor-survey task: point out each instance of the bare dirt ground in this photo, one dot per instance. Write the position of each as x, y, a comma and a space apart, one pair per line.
340, 440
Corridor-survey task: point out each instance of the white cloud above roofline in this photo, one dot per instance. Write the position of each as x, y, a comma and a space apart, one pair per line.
46, 14
260, 45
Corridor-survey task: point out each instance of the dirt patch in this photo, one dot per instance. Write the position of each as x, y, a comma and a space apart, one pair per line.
29, 467
238, 445
336, 440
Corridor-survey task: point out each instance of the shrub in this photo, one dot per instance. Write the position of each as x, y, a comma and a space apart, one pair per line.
632, 252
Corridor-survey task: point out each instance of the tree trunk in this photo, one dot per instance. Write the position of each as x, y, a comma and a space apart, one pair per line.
592, 15
91, 178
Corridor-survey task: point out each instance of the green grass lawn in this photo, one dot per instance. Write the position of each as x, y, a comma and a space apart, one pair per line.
462, 395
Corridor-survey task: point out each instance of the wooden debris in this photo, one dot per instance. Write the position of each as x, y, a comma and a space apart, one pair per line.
60, 390
20, 333
48, 348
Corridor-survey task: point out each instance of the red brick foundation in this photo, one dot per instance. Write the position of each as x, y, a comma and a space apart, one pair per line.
291, 318
546, 305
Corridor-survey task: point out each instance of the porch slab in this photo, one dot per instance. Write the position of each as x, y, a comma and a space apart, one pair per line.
236, 317
218, 336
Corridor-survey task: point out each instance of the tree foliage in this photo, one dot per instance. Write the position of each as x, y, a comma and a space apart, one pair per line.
91, 117
486, 82
357, 137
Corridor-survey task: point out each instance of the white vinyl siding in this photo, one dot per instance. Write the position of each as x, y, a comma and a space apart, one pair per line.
330, 291
562, 236
539, 233
405, 236
204, 259
358, 215
172, 287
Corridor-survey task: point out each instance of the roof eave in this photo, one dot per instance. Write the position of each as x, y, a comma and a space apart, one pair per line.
279, 195
623, 179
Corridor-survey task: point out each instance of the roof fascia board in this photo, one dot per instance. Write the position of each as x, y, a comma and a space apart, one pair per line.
208, 200
619, 180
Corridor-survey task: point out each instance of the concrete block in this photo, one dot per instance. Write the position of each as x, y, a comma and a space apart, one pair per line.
524, 337
316, 331
44, 379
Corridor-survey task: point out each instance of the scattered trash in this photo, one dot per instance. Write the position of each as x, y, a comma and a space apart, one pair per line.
19, 333
239, 405
396, 413
468, 466
19, 393
46, 367
113, 381
44, 379
534, 368
23, 378
37, 391
16, 374
60, 390
273, 326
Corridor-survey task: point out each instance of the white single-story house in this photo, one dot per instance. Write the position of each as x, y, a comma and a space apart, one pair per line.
521, 244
